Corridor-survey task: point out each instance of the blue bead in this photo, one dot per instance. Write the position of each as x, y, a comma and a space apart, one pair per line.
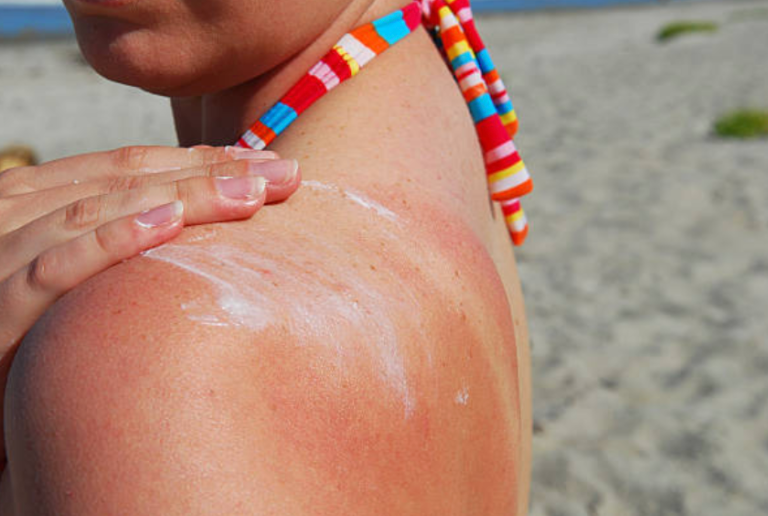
482, 107
505, 108
279, 117
485, 62
461, 59
392, 27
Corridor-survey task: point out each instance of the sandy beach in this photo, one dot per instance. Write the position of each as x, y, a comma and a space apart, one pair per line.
646, 275
646, 272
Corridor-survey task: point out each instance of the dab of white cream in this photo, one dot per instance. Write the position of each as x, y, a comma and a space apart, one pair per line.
370, 204
462, 397
241, 304
319, 185
255, 291
355, 197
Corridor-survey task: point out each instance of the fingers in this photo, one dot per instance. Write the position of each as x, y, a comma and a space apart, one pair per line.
137, 160
28, 292
205, 199
281, 175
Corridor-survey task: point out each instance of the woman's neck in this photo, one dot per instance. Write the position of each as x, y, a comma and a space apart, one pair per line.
220, 118
398, 132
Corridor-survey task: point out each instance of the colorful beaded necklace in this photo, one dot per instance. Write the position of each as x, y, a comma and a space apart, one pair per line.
453, 29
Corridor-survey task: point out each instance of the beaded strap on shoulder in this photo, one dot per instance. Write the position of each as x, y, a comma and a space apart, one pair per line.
489, 104
491, 109
353, 51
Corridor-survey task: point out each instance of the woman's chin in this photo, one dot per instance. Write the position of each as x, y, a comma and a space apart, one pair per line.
129, 57
140, 77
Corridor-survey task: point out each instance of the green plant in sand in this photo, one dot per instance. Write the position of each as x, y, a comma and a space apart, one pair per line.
675, 29
743, 123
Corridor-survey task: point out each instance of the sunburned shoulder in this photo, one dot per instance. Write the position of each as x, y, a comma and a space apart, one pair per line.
319, 358
336, 264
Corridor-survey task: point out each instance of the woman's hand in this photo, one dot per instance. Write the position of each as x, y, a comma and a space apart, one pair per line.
64, 221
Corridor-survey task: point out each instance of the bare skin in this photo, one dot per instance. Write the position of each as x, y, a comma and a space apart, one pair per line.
360, 348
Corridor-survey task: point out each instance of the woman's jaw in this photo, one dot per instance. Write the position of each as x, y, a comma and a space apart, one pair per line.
197, 47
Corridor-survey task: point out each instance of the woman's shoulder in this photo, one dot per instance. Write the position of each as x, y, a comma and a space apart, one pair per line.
333, 264
330, 343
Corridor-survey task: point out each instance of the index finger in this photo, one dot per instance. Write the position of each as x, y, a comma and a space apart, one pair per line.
125, 161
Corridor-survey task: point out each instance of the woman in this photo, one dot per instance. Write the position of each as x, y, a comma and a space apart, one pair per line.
360, 348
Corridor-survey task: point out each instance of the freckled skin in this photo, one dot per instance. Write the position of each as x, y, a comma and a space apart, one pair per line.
117, 392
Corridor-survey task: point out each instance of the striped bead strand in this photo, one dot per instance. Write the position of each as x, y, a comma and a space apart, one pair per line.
353, 51
489, 104
508, 178
516, 221
498, 91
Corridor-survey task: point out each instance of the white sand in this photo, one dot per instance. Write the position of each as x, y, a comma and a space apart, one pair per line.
646, 274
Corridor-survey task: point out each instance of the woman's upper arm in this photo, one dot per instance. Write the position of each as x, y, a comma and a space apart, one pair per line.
119, 405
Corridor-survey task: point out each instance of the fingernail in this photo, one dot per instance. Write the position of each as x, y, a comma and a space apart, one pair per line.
160, 216
238, 153
278, 172
244, 188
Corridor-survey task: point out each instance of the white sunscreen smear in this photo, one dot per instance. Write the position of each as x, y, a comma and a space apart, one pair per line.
238, 303
462, 397
254, 291
355, 197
